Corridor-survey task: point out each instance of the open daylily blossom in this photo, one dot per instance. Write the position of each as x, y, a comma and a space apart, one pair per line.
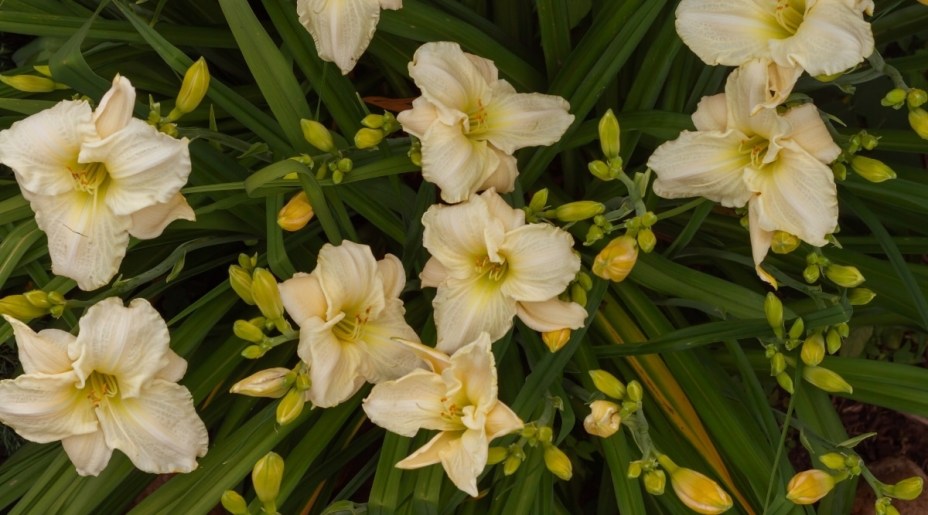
350, 314
342, 29
777, 164
470, 121
489, 265
459, 399
113, 386
822, 37
94, 177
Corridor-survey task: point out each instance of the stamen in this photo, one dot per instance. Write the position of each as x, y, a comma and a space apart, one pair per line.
101, 386
789, 14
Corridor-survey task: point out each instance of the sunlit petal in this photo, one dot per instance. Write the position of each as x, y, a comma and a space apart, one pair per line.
46, 408
151, 221
341, 29
89, 453
409, 403
42, 353
551, 315
728, 32
518, 120
541, 262
455, 163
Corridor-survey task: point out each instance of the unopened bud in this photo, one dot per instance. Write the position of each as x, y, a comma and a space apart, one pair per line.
556, 340
655, 481
317, 135
783, 242
545, 434
29, 83
773, 309
918, 119
19, 307
646, 240
832, 340
603, 420
634, 391
192, 89
240, 279
826, 380
833, 460
813, 350
796, 330
248, 332
496, 455
290, 407
785, 381
511, 465
811, 273
839, 170
539, 200
809, 486
266, 477
234, 503
368, 138
38, 298
267, 294
579, 210
908, 489
916, 97
558, 463
697, 491
372, 121
600, 170
296, 213
253, 352
844, 276
578, 294
617, 259
608, 384
860, 296
609, 136
894, 98
872, 169
777, 364
273, 383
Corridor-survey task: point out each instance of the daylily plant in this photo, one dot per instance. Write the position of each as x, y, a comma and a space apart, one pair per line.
777, 164
113, 386
459, 399
470, 121
342, 29
94, 177
350, 314
489, 265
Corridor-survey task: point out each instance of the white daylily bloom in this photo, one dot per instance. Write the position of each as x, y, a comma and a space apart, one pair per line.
489, 265
470, 121
822, 37
342, 29
113, 386
777, 164
350, 314
459, 399
95, 177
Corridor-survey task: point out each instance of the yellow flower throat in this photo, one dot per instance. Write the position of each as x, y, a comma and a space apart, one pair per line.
89, 177
100, 386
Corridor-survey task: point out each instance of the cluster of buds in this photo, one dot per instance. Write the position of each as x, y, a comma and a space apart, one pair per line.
291, 386
32, 304
376, 128
192, 91
914, 98
696, 490
844, 276
42, 83
266, 477
296, 213
578, 288
868, 168
533, 435
616, 260
606, 416
319, 137
257, 287
610, 141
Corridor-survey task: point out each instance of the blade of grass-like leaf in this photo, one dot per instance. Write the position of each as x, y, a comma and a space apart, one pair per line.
277, 259
14, 245
21, 470
554, 25
815, 409
385, 491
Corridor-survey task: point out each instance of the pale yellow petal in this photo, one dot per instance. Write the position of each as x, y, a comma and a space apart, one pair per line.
450, 80
115, 108
151, 221
392, 276
466, 308
455, 163
412, 402
729, 32
89, 453
541, 262
551, 315
760, 243
501, 421
433, 273
429, 454
416, 121
42, 353
348, 276
518, 120
474, 367
46, 408
503, 179
335, 371
341, 30
809, 131
711, 114
303, 297
456, 235
501, 211
382, 357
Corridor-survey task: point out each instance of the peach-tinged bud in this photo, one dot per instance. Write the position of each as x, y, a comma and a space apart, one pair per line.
192, 89
558, 463
809, 486
826, 380
273, 383
556, 340
603, 420
296, 213
695, 490
608, 384
617, 259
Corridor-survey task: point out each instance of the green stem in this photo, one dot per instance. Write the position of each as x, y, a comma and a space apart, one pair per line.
878, 64
782, 443
693, 204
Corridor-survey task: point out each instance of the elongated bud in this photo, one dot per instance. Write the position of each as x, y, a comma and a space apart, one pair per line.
785, 381
783, 242
600, 170
603, 420
296, 213
558, 463
813, 349
248, 332
272, 383
826, 380
38, 298
860, 296
608, 384
872, 169
796, 330
579, 210
512, 464
496, 455
19, 307
266, 477
317, 135
368, 138
617, 259
918, 119
809, 486
634, 470
192, 89
655, 481
240, 280
908, 489
556, 340
811, 273
290, 407
267, 294
844, 276
894, 98
832, 340
833, 460
539, 200
609, 136
773, 309
234, 503
372, 121
29, 83
916, 98
697, 491
254, 352
777, 364
646, 240
634, 391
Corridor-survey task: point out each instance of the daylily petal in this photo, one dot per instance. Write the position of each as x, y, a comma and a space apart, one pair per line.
729, 32
436, 360
430, 453
159, 431
130, 343
450, 80
503, 212
391, 4
86, 241
45, 408
780, 82
475, 369
175, 369
392, 276
41, 148
501, 421
455, 163
360, 287
810, 133
518, 120
797, 194
115, 108
466, 460
455, 235
433, 274
465, 308
145, 166
711, 114
541, 262
551, 315
746, 93
760, 243
341, 30
416, 121
414, 401
503, 179
335, 367
384, 358
89, 453
708, 164
150, 222
303, 297
42, 353
832, 37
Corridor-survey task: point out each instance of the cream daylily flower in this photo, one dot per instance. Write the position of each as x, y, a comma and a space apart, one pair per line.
822, 37
95, 177
777, 164
489, 265
349, 313
114, 386
459, 399
342, 29
470, 121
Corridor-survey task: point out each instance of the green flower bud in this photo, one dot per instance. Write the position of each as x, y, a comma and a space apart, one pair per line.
634, 470
894, 98
56, 298
272, 383
266, 477
248, 262
192, 89
608, 384
916, 98
372, 121
839, 171
811, 273
253, 352
585, 280
785, 381
813, 350
234, 503
871, 169
844, 276
646, 240
317, 135
634, 391
777, 364
609, 135
908, 489
344, 165
918, 119
29, 83
290, 407
833, 460
796, 330
600, 170
773, 309
860, 296
539, 200
38, 298
826, 380
368, 138
655, 481
832, 340
783, 242
545, 434
240, 279
267, 294
248, 332
579, 210
558, 463
511, 465
648, 219
496, 455
578, 294
19, 307
868, 141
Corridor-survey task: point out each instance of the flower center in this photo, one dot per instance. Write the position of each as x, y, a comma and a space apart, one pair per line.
477, 120
450, 411
789, 14
490, 269
100, 386
757, 146
349, 329
89, 177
